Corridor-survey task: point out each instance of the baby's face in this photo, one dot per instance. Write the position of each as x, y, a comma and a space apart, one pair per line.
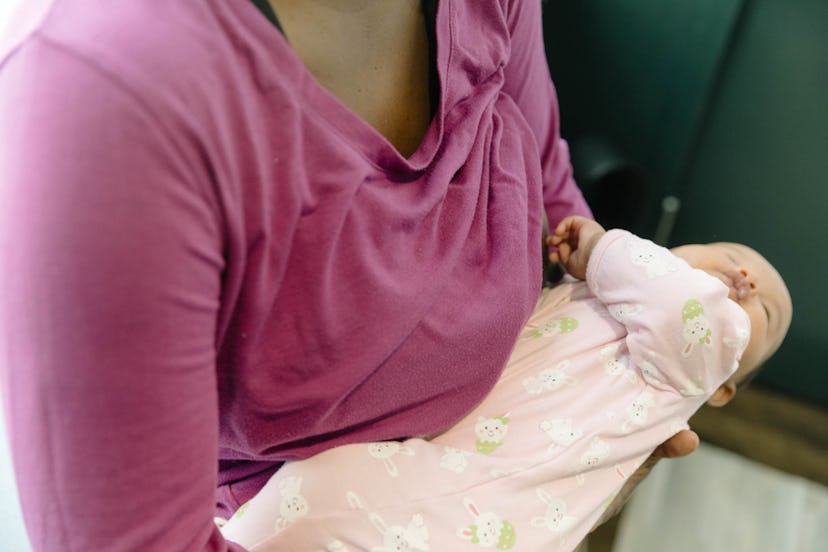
756, 286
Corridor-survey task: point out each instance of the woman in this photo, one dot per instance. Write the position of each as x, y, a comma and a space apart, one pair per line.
228, 245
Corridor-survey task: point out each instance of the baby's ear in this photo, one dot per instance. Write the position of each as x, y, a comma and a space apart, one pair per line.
723, 394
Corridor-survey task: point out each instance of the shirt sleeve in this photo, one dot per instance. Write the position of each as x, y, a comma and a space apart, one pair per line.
683, 332
528, 82
111, 256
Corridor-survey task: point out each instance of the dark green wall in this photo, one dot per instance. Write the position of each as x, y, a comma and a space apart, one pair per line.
725, 104
640, 74
760, 174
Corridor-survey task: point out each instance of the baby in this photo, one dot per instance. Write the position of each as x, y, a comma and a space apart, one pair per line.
612, 362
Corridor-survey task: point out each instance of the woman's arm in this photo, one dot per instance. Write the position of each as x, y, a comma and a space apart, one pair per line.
108, 298
528, 83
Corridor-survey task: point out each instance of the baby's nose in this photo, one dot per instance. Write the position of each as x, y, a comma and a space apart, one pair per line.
744, 284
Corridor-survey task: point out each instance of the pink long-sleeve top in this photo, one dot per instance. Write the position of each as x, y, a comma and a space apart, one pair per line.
208, 260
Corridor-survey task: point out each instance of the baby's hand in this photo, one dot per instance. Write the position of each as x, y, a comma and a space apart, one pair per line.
575, 238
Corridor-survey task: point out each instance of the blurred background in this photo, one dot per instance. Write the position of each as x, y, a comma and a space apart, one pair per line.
703, 120
722, 104
697, 121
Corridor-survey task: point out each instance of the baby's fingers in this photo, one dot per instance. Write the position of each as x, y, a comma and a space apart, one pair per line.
557, 237
563, 228
563, 253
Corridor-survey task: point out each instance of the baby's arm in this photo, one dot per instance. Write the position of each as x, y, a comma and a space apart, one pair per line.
683, 331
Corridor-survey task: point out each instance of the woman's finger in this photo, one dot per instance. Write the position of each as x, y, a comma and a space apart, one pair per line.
681, 444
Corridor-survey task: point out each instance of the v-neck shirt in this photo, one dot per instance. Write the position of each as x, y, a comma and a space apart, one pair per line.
200, 232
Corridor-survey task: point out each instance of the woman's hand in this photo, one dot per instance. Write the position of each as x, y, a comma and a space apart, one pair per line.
572, 243
681, 444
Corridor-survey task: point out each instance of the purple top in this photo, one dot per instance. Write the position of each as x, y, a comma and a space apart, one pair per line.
209, 260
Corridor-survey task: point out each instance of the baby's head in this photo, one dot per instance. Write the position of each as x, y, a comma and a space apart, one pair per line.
759, 289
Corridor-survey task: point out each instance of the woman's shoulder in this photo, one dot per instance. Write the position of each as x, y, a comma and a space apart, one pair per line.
145, 46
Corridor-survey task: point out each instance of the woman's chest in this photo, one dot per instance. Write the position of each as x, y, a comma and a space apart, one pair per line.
373, 57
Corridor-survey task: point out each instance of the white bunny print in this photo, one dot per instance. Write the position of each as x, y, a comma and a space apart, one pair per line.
598, 451
624, 312
488, 529
652, 258
649, 372
738, 342
549, 379
561, 432
637, 411
385, 451
336, 546
293, 504
454, 459
490, 433
396, 538
616, 364
696, 330
555, 517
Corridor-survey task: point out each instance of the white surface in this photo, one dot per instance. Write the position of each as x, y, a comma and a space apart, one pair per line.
13, 533
26, 15
717, 501
6, 8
